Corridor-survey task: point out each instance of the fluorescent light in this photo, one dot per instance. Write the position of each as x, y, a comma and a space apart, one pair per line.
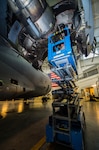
93, 85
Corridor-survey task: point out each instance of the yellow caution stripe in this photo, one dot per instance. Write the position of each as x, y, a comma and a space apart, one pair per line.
39, 144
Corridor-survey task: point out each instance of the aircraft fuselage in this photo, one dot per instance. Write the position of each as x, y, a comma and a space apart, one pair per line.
18, 78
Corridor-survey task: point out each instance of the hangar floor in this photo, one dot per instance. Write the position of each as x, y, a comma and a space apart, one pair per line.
26, 130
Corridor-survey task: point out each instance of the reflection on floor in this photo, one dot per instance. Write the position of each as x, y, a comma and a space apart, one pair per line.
11, 106
17, 128
20, 105
91, 110
21, 131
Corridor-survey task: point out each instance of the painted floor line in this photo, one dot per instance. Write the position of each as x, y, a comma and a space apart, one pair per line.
39, 144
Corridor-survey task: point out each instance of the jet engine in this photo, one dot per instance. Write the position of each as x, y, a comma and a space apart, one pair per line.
35, 15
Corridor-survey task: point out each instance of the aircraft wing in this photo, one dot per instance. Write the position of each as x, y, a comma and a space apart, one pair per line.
89, 30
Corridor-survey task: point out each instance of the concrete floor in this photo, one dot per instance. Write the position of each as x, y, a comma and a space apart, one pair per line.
91, 110
22, 131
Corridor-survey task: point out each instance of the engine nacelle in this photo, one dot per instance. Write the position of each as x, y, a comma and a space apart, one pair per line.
36, 16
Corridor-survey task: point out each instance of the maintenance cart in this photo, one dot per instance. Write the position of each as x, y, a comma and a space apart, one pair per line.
67, 123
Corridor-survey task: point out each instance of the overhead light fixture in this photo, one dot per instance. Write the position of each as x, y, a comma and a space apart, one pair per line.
94, 85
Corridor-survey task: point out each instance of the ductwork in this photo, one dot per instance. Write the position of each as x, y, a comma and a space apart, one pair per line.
35, 15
